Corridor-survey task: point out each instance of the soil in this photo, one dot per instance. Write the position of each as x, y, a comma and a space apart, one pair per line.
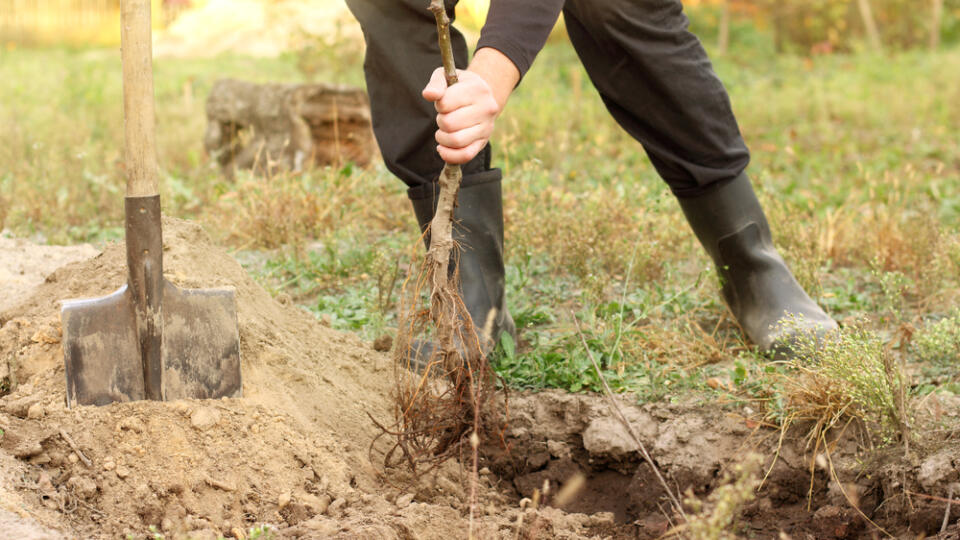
294, 452
23, 265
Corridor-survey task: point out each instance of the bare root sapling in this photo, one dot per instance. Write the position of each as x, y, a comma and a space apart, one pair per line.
443, 389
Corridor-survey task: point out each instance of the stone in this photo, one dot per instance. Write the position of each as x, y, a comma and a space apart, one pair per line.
404, 501
27, 449
383, 343
19, 407
132, 423
607, 437
323, 503
35, 411
336, 507
205, 418
937, 470
83, 487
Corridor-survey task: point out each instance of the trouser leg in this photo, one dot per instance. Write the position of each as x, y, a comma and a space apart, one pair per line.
402, 53
658, 83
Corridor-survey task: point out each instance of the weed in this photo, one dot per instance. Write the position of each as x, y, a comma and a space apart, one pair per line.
848, 374
261, 532
284, 211
715, 518
893, 289
939, 342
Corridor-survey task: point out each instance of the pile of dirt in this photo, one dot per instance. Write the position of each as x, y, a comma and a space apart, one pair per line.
294, 451
24, 265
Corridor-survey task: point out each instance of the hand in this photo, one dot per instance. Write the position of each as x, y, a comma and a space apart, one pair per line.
466, 114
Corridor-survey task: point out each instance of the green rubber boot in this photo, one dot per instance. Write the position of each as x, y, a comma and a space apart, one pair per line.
759, 289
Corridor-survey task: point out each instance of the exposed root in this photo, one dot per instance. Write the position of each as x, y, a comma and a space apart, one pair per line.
444, 380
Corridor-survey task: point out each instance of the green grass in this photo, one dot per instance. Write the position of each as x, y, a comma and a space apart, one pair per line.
854, 157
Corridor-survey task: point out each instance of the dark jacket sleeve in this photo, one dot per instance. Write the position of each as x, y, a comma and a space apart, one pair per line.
519, 28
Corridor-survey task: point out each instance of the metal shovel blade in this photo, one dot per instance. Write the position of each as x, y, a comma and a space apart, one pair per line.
199, 349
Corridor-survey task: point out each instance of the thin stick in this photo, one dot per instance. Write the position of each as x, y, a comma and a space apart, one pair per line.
446, 44
76, 450
931, 497
946, 513
623, 420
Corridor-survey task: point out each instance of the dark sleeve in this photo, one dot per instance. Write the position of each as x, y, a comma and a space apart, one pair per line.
519, 28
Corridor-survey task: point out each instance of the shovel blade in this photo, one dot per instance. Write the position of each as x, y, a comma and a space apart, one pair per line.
200, 350
100, 350
201, 343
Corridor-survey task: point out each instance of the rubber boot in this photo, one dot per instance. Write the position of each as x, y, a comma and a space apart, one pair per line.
478, 230
757, 285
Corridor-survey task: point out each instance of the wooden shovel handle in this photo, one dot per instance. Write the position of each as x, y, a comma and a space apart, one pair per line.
138, 114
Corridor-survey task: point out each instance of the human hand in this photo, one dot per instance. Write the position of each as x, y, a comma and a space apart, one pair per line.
466, 114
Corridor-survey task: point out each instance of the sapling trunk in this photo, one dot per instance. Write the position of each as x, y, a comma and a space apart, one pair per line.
445, 303
443, 296
439, 399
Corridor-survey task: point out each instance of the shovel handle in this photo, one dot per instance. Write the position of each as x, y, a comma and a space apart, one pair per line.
137, 55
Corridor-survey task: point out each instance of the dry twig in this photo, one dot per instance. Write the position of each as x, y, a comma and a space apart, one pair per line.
76, 450
946, 513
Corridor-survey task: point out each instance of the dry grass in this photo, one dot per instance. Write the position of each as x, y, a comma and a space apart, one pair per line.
287, 210
851, 374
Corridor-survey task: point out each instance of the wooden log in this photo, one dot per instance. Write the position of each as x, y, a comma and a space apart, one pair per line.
287, 127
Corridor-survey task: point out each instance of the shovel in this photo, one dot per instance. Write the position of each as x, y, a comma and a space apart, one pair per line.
150, 339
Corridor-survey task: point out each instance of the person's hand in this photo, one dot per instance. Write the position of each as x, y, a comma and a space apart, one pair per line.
466, 114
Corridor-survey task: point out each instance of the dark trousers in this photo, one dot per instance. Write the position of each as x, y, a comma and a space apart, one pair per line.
652, 74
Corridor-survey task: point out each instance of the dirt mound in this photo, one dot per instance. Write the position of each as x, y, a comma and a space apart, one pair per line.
23, 265
556, 436
292, 452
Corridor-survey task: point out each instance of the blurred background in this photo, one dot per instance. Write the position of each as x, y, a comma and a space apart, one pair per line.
795, 26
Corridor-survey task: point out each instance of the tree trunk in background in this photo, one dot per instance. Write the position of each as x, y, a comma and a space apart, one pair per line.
873, 36
274, 127
777, 13
723, 39
936, 23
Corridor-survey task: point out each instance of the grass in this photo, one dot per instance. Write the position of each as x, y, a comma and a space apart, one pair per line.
854, 157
